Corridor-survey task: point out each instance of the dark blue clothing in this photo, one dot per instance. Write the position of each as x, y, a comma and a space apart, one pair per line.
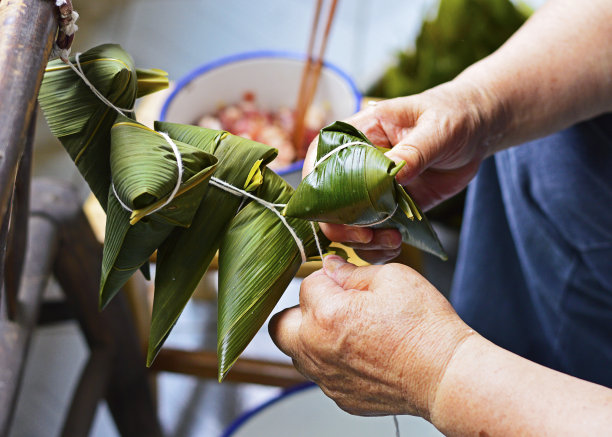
534, 273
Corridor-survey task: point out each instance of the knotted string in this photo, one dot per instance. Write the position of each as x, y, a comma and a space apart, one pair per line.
79, 72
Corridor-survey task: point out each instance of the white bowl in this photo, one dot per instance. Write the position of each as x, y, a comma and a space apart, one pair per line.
274, 78
305, 412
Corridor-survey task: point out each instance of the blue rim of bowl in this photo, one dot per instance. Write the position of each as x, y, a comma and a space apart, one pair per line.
243, 419
198, 71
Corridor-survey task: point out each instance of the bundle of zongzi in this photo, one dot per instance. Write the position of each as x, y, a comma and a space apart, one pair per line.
189, 192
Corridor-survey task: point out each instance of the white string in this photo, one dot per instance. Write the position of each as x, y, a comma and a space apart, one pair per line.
317, 242
179, 178
338, 149
123, 205
379, 221
271, 206
79, 72
396, 423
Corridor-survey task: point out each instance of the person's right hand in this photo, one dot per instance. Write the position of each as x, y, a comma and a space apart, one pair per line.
376, 339
443, 134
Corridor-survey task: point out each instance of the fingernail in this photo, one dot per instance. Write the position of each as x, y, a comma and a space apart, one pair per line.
360, 235
331, 263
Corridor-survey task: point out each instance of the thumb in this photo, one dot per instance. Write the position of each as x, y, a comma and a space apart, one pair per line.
284, 329
347, 275
419, 148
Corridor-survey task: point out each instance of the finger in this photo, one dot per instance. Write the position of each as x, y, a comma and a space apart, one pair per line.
383, 239
434, 185
378, 256
425, 194
319, 289
347, 234
284, 329
347, 275
418, 149
368, 121
311, 155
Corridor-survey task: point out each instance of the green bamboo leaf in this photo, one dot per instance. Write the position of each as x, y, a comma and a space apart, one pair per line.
356, 186
150, 81
258, 258
185, 255
126, 247
79, 119
144, 173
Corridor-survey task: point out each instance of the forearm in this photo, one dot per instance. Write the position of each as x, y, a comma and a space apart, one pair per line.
488, 391
555, 71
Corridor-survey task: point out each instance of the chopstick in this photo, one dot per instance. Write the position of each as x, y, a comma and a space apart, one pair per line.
311, 73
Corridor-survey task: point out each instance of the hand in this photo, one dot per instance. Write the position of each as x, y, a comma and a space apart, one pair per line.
443, 134
376, 339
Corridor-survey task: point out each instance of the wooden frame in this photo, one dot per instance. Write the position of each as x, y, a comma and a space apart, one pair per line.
55, 239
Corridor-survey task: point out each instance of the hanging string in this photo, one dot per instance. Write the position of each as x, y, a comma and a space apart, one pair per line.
271, 206
396, 423
317, 242
79, 72
338, 149
179, 177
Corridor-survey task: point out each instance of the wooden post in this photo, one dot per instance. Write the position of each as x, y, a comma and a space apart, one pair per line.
77, 269
27, 28
15, 334
18, 232
203, 364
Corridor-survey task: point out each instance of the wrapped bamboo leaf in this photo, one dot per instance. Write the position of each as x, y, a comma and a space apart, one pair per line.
150, 81
356, 186
258, 258
144, 172
80, 119
185, 255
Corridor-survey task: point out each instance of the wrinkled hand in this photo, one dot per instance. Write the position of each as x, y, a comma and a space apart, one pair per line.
443, 134
376, 339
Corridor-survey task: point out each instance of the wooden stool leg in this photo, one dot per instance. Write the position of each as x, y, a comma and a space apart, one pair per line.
15, 334
77, 269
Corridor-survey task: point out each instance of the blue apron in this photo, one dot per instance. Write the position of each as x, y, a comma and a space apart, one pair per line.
534, 272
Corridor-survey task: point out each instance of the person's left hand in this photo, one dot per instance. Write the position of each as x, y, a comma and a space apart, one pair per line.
376, 339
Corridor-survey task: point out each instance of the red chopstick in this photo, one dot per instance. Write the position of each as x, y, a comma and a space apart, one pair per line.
311, 74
